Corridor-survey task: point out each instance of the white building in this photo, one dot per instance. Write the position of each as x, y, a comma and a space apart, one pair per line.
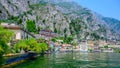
83, 46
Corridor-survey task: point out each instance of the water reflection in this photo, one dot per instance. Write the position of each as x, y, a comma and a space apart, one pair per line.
74, 60
1, 61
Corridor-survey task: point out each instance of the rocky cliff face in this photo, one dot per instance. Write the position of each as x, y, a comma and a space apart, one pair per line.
112, 23
47, 17
61, 16
12, 7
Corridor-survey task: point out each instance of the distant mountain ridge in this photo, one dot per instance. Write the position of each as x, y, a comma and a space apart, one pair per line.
112, 24
63, 17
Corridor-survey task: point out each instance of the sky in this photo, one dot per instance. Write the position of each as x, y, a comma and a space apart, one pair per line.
107, 8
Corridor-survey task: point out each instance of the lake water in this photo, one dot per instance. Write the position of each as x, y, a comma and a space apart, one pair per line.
74, 60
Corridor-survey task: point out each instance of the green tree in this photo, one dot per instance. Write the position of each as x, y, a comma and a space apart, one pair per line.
5, 37
19, 21
39, 28
68, 39
74, 43
30, 45
106, 46
65, 30
53, 39
30, 25
43, 46
95, 36
55, 30
43, 21
21, 45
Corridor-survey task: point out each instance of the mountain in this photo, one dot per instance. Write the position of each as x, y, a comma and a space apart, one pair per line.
112, 23
64, 17
12, 7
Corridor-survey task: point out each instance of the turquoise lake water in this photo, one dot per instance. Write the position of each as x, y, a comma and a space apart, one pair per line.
74, 60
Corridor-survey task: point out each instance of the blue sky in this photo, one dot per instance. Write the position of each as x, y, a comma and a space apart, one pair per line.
107, 8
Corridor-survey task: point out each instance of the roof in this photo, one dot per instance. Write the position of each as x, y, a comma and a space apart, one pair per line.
46, 30
10, 26
15, 27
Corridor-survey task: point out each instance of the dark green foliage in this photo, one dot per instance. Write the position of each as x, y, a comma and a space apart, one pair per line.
55, 30
89, 19
28, 2
71, 30
9, 1
65, 30
24, 13
15, 18
19, 21
0, 11
5, 37
53, 39
43, 21
30, 25
86, 34
68, 39
39, 28
95, 36
75, 26
29, 12
116, 50
106, 46
2, 21
3, 47
2, 60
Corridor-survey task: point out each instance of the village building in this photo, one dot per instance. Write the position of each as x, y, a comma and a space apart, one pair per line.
118, 43
19, 33
83, 46
102, 43
96, 47
47, 34
111, 42
90, 45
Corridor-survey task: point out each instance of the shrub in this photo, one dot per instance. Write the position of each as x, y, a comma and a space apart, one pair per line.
106, 46
30, 45
5, 37
30, 25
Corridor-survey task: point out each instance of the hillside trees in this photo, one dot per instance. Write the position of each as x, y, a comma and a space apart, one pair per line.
95, 36
30, 26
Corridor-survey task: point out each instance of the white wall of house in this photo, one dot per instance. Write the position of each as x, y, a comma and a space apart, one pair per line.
83, 46
18, 35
